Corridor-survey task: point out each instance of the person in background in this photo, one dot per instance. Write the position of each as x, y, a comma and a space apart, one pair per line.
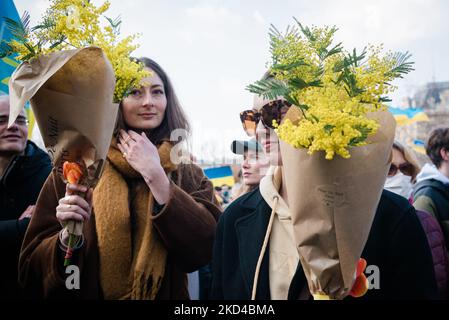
431, 192
23, 170
225, 193
403, 171
254, 166
218, 197
401, 179
431, 200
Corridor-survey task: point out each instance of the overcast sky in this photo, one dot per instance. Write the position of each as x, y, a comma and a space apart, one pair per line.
213, 49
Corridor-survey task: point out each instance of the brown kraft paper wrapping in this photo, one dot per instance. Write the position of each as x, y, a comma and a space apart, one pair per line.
71, 94
333, 203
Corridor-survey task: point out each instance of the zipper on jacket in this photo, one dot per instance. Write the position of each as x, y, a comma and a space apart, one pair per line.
8, 170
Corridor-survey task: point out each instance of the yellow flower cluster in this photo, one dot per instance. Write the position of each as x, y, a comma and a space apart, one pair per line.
69, 24
293, 48
334, 111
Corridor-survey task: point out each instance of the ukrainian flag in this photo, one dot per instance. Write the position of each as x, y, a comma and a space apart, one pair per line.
7, 64
418, 146
408, 116
220, 176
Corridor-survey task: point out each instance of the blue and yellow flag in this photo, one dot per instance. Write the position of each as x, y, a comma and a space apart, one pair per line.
408, 116
419, 146
220, 176
7, 64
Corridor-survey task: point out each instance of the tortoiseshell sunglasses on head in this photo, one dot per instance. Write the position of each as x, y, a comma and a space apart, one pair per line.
274, 110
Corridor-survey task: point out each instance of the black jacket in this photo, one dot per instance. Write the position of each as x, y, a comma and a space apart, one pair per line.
396, 244
20, 185
436, 202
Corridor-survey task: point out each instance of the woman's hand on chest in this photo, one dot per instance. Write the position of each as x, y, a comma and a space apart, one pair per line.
142, 155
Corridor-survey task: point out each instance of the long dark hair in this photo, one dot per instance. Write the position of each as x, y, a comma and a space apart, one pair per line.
174, 117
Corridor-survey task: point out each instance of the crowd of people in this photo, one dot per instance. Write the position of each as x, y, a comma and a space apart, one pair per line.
149, 222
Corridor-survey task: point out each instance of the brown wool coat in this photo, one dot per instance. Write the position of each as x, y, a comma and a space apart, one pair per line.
186, 226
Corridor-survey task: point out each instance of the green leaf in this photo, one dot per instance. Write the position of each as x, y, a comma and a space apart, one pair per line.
28, 56
269, 89
19, 29
290, 66
129, 87
299, 84
402, 66
328, 128
40, 44
297, 104
351, 85
350, 60
364, 131
347, 73
315, 83
29, 47
306, 31
356, 58
292, 100
384, 99
274, 33
315, 118
46, 24
303, 108
319, 72
278, 39
5, 49
57, 43
335, 50
115, 24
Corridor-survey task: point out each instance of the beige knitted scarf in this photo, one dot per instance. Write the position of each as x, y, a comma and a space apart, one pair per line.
132, 256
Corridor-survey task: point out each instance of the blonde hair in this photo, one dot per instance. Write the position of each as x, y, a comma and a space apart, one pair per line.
410, 157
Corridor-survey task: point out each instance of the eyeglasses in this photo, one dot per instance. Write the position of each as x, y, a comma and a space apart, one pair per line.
20, 121
274, 110
406, 168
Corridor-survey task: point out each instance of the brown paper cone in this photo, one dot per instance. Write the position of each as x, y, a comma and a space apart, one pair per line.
333, 203
71, 96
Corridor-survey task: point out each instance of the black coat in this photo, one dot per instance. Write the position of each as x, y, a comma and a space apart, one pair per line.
20, 185
396, 244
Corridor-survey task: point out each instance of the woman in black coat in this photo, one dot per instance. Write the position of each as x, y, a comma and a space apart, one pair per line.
399, 258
